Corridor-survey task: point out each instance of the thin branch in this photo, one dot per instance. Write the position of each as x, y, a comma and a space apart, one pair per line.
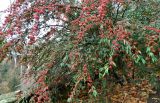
124, 11
117, 12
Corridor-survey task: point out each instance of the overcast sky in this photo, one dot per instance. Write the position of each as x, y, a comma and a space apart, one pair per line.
4, 4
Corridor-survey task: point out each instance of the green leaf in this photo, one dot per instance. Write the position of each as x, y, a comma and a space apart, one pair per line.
65, 58
69, 100
154, 59
106, 66
138, 58
148, 50
143, 61
151, 54
95, 93
100, 75
101, 69
128, 49
62, 64
106, 71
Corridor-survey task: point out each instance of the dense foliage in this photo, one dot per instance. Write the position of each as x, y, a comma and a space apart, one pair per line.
74, 46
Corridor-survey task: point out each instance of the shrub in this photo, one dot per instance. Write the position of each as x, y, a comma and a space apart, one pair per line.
77, 45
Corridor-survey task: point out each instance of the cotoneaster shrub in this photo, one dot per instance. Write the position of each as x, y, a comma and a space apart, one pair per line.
72, 44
